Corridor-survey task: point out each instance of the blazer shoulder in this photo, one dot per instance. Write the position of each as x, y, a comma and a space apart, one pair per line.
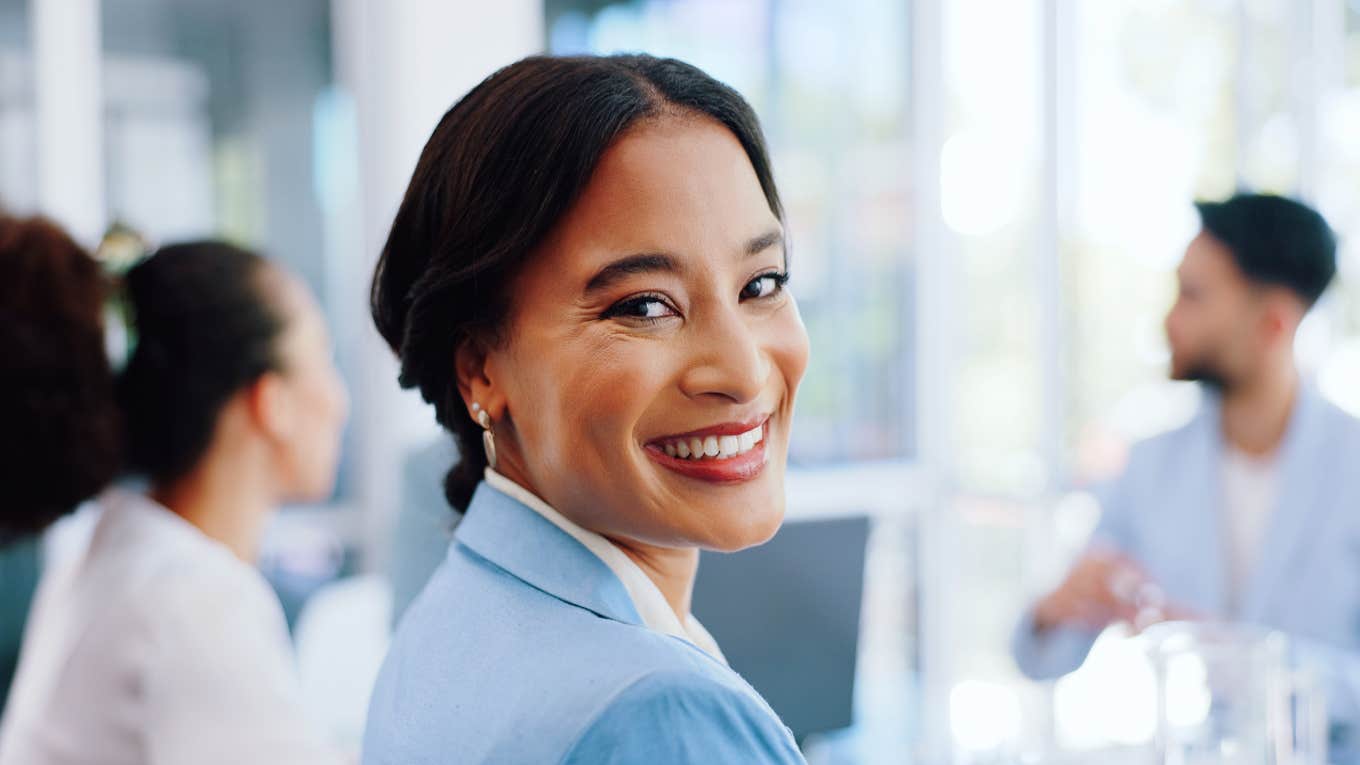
674, 716
485, 654
1153, 453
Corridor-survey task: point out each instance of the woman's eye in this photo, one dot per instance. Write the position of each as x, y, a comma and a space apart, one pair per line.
645, 307
764, 286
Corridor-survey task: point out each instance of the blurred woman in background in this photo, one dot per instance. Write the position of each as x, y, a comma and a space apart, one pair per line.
161, 643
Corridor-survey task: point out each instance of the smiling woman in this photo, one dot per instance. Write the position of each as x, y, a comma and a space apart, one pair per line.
587, 279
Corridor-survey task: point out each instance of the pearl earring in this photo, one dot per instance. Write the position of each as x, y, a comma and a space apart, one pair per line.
488, 436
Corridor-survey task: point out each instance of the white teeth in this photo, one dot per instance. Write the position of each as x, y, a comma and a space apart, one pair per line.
721, 447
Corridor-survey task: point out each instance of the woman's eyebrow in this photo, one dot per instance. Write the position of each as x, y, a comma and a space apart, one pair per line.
641, 263
660, 262
764, 242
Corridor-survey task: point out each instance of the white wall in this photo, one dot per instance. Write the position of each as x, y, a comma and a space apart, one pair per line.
405, 62
68, 106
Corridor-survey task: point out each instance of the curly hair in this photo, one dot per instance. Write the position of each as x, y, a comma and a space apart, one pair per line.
60, 441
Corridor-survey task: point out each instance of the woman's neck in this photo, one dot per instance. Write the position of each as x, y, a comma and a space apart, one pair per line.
224, 502
672, 570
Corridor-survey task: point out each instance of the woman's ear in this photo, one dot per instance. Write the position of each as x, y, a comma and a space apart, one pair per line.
475, 383
268, 404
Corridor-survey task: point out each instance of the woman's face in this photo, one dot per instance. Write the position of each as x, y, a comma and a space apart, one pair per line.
644, 384
312, 401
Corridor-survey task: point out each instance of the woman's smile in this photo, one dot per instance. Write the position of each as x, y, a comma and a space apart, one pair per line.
731, 452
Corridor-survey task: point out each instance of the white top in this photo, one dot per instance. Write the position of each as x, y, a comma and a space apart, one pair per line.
651, 605
155, 646
1250, 492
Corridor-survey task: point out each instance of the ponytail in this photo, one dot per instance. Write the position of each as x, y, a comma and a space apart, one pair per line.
204, 329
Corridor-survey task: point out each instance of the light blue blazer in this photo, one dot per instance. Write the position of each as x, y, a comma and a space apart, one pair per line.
1165, 511
525, 648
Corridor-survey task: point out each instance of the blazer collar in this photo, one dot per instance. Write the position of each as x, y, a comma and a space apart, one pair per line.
1300, 504
529, 547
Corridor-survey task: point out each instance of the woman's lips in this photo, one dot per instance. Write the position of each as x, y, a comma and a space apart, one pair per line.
732, 453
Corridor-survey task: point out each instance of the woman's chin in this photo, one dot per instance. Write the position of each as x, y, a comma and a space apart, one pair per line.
734, 516
746, 528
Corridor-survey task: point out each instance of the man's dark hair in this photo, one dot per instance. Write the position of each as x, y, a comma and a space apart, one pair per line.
1275, 241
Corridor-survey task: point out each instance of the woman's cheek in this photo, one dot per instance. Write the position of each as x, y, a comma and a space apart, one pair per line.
791, 347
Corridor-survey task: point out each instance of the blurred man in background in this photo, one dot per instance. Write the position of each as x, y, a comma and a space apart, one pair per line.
1251, 512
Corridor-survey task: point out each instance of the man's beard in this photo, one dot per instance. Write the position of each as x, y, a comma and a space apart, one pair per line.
1206, 374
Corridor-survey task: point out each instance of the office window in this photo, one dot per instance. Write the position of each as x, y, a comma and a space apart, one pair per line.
991, 204
990, 200
1156, 128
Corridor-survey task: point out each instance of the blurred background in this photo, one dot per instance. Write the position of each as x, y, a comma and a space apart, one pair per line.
987, 202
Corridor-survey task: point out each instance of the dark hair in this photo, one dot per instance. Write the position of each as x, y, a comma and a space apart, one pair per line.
500, 170
1275, 241
59, 427
205, 330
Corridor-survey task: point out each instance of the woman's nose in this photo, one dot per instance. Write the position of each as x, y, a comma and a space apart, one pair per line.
729, 360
